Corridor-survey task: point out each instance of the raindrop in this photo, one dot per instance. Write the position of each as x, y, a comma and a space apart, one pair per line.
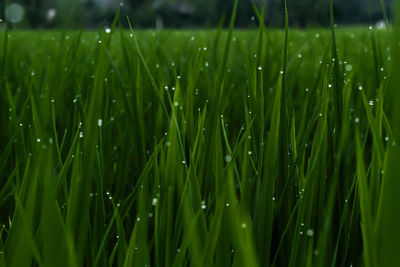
100, 122
310, 232
228, 158
154, 201
348, 67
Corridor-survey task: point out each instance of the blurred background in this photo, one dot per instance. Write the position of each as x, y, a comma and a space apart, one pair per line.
185, 13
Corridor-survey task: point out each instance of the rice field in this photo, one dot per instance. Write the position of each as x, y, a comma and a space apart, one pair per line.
220, 147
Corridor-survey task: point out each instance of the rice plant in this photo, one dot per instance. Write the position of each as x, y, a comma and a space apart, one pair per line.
200, 147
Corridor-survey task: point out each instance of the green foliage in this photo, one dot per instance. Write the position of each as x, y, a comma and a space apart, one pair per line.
200, 148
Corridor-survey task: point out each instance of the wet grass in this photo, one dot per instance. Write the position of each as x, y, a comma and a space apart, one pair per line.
200, 148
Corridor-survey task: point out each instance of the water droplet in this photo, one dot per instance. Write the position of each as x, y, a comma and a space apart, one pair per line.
100, 122
228, 158
154, 201
371, 103
357, 120
249, 152
348, 67
108, 30
310, 232
259, 68
176, 103
38, 140
243, 226
203, 205
80, 134
360, 87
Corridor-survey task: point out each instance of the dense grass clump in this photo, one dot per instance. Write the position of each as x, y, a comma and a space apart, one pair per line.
199, 148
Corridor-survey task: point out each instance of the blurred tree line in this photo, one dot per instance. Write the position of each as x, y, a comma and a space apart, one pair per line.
193, 13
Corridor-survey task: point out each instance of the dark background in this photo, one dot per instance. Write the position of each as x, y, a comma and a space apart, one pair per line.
192, 13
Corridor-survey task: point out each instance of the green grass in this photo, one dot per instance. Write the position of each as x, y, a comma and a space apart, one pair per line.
200, 148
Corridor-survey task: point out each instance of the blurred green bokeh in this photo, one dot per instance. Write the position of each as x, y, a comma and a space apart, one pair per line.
191, 13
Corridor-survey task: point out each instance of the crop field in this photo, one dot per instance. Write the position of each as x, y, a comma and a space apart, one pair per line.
220, 147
